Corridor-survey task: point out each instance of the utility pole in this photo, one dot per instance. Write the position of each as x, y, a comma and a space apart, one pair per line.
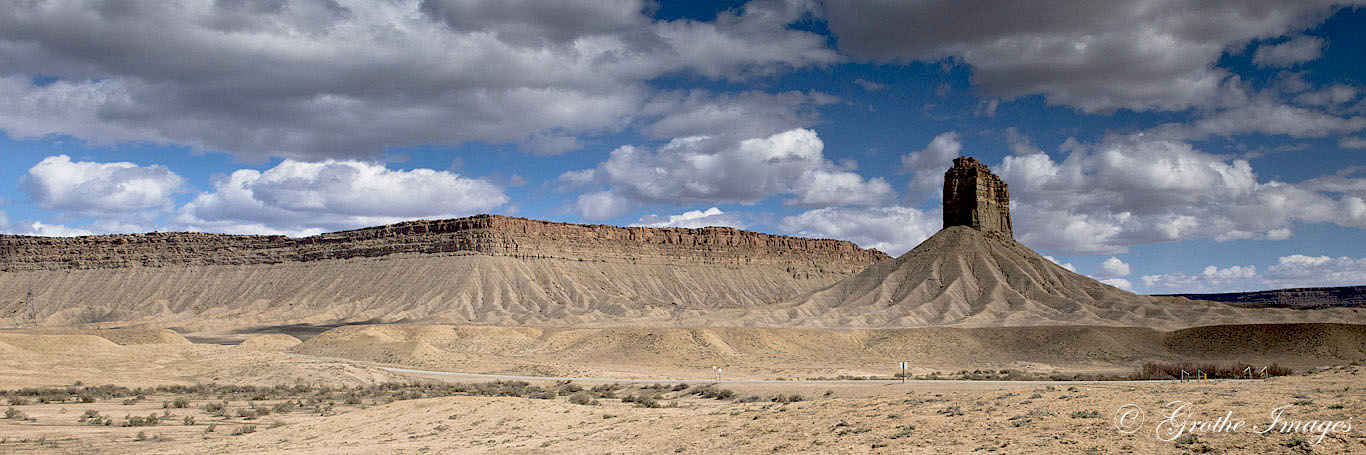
32, 311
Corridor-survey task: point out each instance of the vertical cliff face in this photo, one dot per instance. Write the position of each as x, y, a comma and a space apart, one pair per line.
976, 198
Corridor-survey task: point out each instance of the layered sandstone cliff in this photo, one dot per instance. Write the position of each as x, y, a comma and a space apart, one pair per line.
481, 234
482, 269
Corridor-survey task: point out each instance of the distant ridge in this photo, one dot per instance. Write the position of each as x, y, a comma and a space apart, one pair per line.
1297, 298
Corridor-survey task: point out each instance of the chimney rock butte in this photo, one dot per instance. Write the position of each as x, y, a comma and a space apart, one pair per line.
976, 198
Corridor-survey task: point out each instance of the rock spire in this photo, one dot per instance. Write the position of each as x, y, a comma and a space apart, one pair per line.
976, 198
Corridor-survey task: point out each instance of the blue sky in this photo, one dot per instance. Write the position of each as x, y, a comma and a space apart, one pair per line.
1162, 146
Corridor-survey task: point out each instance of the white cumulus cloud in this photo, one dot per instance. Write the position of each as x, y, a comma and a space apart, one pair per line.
39, 228
1141, 189
1212, 279
1299, 270
892, 230
927, 166
93, 188
1068, 265
297, 197
693, 219
1119, 283
1114, 267
716, 170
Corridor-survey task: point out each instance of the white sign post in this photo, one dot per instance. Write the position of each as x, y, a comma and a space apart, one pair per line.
903, 372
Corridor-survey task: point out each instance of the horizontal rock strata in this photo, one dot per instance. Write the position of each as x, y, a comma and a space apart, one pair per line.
481, 234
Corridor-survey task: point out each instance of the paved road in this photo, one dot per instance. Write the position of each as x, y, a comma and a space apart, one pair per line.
504, 377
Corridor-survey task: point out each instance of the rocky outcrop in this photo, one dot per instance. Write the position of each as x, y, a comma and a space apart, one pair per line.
976, 198
481, 234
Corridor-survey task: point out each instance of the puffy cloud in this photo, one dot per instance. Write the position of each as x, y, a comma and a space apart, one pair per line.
580, 177
1265, 117
39, 228
1138, 189
1293, 271
1291, 52
1298, 270
927, 165
1094, 55
1019, 143
46, 230
531, 21
1212, 279
1067, 266
1278, 234
737, 116
716, 170
1352, 142
1114, 267
1176, 282
1060, 230
893, 230
92, 188
693, 219
1119, 283
546, 145
601, 205
1236, 272
1240, 109
829, 188
322, 78
1330, 96
296, 197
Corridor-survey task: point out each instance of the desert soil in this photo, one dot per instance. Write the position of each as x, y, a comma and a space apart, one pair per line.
831, 417
917, 417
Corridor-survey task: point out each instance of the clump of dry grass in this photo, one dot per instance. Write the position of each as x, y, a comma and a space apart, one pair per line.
711, 391
139, 421
643, 400
582, 398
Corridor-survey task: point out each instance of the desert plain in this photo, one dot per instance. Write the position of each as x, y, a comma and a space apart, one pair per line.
504, 335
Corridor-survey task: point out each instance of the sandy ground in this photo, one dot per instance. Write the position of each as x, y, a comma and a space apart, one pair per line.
58, 359
831, 417
348, 355
791, 353
917, 417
